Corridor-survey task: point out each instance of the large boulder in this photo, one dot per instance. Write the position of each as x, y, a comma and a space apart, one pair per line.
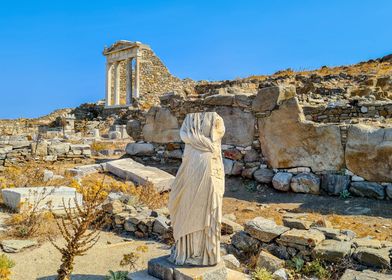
281, 181
239, 126
288, 140
334, 183
369, 152
161, 126
270, 97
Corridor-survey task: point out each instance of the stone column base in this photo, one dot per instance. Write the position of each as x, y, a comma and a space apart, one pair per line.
162, 269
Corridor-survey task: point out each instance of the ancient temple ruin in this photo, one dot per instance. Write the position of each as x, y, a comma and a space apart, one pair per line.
133, 71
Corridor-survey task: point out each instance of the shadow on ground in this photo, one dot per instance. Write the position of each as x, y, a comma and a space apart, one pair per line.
324, 204
76, 277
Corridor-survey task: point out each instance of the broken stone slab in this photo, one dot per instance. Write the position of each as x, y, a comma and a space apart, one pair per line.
219, 99
332, 250
19, 198
15, 246
367, 242
229, 227
129, 169
231, 261
335, 234
350, 274
264, 230
378, 258
367, 189
269, 261
270, 97
306, 238
244, 242
84, 170
139, 149
296, 223
163, 269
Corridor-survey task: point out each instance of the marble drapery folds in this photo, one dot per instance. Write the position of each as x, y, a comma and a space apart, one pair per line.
195, 201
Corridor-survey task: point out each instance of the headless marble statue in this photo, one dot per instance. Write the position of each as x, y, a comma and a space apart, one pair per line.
195, 201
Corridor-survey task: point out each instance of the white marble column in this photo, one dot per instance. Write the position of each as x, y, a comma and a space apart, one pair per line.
137, 73
109, 67
117, 83
129, 81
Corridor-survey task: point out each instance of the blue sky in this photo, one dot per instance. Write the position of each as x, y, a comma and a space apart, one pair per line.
51, 51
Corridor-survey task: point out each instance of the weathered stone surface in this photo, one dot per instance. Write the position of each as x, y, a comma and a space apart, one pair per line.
161, 126
281, 181
263, 229
270, 97
19, 198
378, 258
39, 148
114, 135
251, 156
306, 238
334, 183
140, 275
161, 225
231, 261
263, 175
332, 250
228, 166
388, 191
219, 99
369, 152
139, 149
134, 129
229, 227
84, 170
288, 140
239, 126
296, 223
129, 169
59, 148
244, 242
237, 168
305, 183
364, 275
269, 261
233, 154
367, 189
248, 172
280, 274
15, 246
367, 242
162, 269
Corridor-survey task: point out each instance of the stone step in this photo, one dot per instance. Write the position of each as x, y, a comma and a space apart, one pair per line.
128, 169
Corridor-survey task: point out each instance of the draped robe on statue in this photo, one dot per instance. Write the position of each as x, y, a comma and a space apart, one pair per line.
195, 201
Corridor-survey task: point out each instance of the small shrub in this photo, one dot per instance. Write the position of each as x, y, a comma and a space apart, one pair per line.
296, 264
142, 248
130, 260
344, 194
316, 268
117, 275
261, 274
5, 267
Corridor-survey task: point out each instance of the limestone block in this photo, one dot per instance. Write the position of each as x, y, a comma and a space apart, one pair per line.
296, 223
244, 242
303, 238
84, 170
332, 250
229, 227
231, 261
219, 99
378, 258
367, 189
59, 148
243, 100
39, 148
239, 126
288, 140
139, 149
350, 274
19, 198
369, 152
134, 129
305, 183
263, 229
129, 169
270, 97
281, 181
161, 126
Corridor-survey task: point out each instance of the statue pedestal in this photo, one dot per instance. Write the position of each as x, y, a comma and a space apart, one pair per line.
162, 269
